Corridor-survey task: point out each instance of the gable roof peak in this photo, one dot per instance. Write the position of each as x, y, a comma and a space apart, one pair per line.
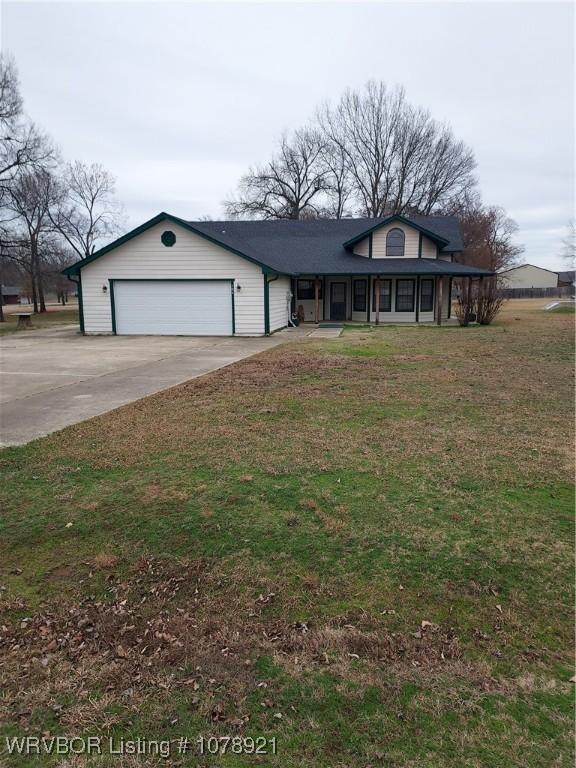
410, 222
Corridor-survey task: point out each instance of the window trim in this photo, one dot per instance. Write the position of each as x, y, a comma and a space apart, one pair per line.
432, 294
308, 280
381, 308
394, 230
405, 280
365, 296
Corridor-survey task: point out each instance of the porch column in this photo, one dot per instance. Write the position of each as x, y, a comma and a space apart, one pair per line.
349, 298
368, 297
439, 311
468, 299
377, 300
316, 300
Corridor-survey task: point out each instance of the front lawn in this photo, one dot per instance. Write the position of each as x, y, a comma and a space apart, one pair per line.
360, 547
41, 320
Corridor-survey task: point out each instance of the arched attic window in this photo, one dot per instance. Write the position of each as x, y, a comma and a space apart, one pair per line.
395, 243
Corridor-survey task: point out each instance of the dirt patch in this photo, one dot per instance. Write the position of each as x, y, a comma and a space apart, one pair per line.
105, 560
60, 573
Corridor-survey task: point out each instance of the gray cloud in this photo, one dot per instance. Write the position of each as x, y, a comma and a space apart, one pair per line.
177, 99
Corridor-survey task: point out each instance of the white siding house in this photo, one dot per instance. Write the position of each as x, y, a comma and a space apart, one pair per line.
145, 258
247, 278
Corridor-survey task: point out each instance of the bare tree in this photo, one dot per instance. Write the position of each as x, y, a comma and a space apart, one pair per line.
399, 158
488, 234
86, 210
10, 98
289, 186
22, 148
31, 198
361, 126
338, 189
22, 145
568, 252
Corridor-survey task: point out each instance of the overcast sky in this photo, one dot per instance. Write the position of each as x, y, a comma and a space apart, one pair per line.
177, 99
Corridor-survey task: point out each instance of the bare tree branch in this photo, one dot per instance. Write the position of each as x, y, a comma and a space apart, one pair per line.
288, 186
87, 210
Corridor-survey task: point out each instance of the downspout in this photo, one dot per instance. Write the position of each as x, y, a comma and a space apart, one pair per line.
78, 284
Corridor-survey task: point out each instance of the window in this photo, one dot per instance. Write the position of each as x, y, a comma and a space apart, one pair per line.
306, 289
168, 238
426, 295
404, 295
385, 296
395, 243
360, 295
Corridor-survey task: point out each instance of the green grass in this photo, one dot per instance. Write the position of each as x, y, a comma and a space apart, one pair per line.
43, 320
268, 540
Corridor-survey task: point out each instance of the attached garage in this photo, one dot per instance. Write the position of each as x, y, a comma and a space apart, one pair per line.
173, 307
240, 278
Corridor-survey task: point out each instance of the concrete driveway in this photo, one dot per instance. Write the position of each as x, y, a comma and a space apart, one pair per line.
53, 378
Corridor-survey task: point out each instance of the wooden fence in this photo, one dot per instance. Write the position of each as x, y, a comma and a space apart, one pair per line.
566, 292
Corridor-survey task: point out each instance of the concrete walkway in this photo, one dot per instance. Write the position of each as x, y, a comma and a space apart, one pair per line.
52, 378
326, 333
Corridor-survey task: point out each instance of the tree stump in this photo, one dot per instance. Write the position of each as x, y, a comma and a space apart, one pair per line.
24, 321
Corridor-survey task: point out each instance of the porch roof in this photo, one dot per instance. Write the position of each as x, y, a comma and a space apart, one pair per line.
431, 267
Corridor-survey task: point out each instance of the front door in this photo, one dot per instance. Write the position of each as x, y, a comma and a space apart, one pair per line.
337, 301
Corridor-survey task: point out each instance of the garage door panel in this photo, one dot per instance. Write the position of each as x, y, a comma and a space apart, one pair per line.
173, 307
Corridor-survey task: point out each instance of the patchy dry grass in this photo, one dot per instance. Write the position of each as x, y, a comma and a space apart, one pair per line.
362, 547
45, 320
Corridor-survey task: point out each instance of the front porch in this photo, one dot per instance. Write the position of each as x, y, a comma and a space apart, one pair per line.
372, 298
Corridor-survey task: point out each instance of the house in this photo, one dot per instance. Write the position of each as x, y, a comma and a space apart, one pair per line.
566, 278
176, 277
528, 276
10, 294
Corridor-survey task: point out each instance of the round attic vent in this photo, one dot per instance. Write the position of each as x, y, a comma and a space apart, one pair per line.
168, 238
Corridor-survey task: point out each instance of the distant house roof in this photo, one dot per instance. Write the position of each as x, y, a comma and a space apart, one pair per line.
10, 290
317, 246
520, 266
567, 277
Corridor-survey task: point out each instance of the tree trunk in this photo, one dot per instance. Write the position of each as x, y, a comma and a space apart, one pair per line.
41, 292
1, 295
33, 290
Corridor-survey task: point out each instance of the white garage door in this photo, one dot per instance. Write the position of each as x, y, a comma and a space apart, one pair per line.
173, 307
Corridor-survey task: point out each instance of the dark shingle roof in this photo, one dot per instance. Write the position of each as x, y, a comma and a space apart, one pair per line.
313, 247
567, 277
317, 246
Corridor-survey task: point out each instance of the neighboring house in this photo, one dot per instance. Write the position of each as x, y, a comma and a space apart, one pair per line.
528, 276
566, 278
175, 277
10, 294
